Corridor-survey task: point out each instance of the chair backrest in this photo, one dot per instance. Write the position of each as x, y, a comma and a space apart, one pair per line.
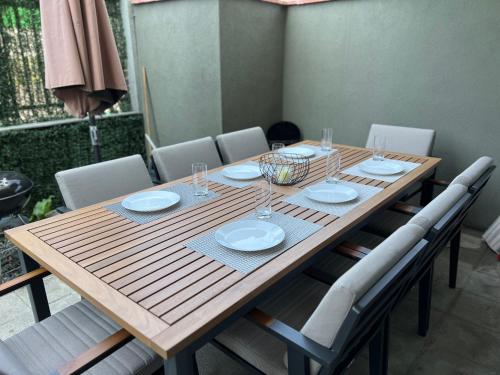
175, 161
438, 207
94, 183
242, 144
404, 139
472, 173
329, 318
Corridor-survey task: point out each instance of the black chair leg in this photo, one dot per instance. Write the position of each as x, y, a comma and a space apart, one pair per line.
424, 302
379, 351
298, 363
454, 253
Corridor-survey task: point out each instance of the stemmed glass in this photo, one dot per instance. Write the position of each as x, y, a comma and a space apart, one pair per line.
333, 167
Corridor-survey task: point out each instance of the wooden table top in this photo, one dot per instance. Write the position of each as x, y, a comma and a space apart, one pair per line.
144, 277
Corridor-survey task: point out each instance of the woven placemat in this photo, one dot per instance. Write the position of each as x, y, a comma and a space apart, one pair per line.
188, 199
408, 166
221, 179
295, 229
338, 209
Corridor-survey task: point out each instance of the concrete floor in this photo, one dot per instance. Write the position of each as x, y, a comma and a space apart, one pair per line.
464, 337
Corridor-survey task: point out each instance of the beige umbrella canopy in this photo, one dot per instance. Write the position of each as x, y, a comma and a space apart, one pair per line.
82, 65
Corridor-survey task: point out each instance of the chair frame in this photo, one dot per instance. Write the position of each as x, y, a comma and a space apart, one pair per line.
366, 323
90, 357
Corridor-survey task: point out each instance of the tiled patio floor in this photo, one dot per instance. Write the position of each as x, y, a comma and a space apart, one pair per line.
464, 336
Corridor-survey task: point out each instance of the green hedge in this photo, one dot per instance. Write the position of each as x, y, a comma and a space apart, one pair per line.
39, 153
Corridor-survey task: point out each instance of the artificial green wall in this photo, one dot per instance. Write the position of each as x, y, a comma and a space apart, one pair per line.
427, 63
40, 153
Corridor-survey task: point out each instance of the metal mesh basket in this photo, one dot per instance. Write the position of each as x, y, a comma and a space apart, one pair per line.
287, 169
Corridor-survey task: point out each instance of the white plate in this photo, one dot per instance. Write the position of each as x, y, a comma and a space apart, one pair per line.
150, 201
331, 193
242, 172
302, 151
381, 168
250, 235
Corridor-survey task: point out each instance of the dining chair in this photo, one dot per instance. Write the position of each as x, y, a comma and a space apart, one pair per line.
242, 144
98, 182
311, 326
175, 161
76, 339
404, 139
442, 220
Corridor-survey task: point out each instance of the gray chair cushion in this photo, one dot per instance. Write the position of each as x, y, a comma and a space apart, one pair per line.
95, 183
293, 306
438, 207
328, 317
175, 161
10, 364
242, 144
404, 139
46, 346
473, 172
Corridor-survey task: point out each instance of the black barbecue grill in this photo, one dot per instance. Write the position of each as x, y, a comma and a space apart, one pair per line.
15, 190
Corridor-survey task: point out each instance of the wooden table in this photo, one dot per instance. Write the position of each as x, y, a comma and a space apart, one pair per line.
174, 299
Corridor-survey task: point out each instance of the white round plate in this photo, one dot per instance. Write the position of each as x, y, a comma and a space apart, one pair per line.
150, 201
331, 193
242, 172
381, 168
250, 235
302, 151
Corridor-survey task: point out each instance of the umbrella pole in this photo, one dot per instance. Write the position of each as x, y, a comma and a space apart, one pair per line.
94, 138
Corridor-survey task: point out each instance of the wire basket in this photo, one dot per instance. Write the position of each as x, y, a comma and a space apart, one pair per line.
289, 169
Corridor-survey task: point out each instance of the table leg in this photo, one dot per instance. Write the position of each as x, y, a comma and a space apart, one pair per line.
184, 363
36, 290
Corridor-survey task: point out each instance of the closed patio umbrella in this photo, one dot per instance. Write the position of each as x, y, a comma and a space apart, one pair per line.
82, 65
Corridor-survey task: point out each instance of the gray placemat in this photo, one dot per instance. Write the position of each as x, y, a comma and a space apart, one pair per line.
338, 209
295, 229
188, 199
221, 179
355, 170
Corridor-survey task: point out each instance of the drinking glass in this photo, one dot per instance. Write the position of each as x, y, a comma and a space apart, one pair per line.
200, 183
326, 139
263, 199
333, 167
379, 143
277, 146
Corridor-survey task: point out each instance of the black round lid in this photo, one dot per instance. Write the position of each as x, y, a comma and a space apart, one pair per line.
13, 183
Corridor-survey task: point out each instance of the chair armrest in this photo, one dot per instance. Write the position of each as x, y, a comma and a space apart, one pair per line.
62, 209
292, 337
352, 250
437, 182
20, 281
95, 354
405, 208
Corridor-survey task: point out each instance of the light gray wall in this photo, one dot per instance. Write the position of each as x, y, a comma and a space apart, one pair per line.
427, 63
213, 65
178, 43
252, 41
